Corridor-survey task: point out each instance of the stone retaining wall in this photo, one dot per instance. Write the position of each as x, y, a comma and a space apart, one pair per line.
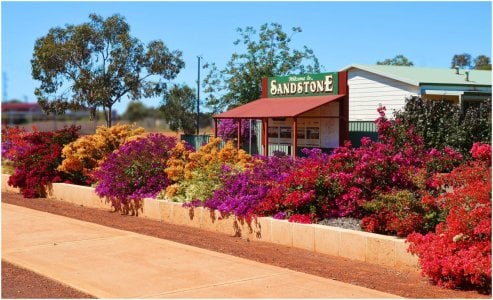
357, 245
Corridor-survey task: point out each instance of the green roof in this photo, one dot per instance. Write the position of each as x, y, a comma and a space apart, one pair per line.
420, 76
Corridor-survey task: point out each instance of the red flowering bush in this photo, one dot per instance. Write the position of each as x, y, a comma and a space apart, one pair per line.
297, 218
14, 142
481, 152
298, 192
340, 184
458, 253
394, 173
35, 157
399, 213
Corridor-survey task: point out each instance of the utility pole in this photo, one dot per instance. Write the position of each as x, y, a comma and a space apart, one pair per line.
198, 95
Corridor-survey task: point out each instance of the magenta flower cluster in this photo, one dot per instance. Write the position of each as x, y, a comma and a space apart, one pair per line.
242, 191
136, 170
228, 129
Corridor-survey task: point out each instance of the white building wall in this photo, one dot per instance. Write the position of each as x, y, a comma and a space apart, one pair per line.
368, 90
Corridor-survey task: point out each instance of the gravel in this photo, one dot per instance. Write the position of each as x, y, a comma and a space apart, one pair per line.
347, 223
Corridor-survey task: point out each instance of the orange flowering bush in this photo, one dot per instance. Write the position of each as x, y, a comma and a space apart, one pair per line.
196, 175
86, 154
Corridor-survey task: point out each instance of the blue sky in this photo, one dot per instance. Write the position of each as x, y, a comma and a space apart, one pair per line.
340, 33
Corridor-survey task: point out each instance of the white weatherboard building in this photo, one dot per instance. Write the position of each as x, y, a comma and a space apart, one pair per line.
373, 85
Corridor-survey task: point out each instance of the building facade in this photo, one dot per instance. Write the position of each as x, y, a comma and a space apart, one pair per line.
323, 110
371, 86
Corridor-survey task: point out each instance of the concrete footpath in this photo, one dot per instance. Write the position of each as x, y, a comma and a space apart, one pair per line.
111, 263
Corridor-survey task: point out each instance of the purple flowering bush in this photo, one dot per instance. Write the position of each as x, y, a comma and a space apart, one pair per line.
228, 129
135, 171
242, 191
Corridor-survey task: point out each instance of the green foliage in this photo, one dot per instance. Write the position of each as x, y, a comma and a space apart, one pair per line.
482, 62
264, 53
442, 123
400, 212
7, 167
136, 111
178, 109
398, 60
461, 60
464, 60
96, 64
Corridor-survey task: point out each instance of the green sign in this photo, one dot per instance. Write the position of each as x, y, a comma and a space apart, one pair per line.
303, 85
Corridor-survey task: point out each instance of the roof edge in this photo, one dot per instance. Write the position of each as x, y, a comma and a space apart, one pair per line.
384, 74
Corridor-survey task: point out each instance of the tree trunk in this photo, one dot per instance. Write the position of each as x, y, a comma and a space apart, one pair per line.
108, 115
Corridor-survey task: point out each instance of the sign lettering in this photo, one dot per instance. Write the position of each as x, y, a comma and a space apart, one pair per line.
303, 85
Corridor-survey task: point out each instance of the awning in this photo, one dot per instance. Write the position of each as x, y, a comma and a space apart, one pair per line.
277, 107
443, 92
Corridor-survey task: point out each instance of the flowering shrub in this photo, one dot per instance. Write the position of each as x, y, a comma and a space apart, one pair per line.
337, 185
85, 154
300, 191
242, 191
14, 142
442, 161
196, 175
481, 152
458, 253
228, 129
399, 213
322, 186
35, 157
135, 170
478, 169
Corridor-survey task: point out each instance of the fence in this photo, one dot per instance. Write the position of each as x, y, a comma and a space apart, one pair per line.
357, 130
196, 141
360, 129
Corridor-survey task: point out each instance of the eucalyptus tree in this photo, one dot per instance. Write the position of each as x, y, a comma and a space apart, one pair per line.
264, 53
398, 60
178, 108
97, 64
482, 62
461, 60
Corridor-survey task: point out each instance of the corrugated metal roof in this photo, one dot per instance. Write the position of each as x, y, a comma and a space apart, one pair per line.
419, 76
277, 107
